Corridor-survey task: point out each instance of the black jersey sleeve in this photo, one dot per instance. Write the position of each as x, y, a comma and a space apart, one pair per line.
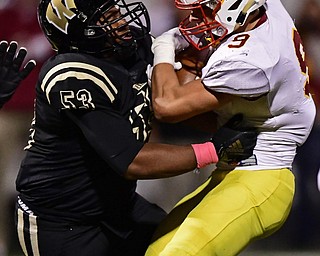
110, 135
77, 85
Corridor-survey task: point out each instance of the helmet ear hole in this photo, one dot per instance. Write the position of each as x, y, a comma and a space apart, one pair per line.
76, 29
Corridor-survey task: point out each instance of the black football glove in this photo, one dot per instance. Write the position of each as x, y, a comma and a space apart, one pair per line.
234, 143
11, 73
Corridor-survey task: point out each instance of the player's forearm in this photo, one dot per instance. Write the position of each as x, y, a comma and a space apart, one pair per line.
161, 160
164, 81
174, 102
166, 94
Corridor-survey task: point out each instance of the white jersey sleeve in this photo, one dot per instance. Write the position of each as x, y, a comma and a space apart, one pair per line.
236, 77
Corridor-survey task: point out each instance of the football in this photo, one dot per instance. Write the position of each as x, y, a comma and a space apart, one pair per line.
192, 61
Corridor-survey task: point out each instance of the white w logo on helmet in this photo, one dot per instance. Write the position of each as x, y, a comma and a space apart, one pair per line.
58, 14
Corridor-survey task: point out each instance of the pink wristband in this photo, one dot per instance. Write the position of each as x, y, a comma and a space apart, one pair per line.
205, 154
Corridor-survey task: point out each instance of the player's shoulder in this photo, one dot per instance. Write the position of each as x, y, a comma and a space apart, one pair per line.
76, 62
252, 48
77, 76
247, 45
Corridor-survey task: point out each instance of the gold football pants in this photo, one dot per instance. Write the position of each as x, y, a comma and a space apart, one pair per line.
225, 213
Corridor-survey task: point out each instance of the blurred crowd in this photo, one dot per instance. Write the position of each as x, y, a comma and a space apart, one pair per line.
19, 22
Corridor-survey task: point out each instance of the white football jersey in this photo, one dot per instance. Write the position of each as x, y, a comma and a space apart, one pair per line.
266, 68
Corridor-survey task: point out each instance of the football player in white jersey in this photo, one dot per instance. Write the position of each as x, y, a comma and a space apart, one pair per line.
257, 67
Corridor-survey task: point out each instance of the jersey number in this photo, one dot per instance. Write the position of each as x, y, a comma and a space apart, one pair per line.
301, 58
79, 99
239, 41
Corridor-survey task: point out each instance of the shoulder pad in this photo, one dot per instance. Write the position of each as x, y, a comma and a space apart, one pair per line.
75, 82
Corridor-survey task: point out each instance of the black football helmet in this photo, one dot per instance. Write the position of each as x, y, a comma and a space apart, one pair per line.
87, 25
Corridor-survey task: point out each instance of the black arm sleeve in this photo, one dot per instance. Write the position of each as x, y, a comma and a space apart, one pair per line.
110, 135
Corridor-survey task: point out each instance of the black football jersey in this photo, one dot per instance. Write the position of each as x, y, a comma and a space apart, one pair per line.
91, 119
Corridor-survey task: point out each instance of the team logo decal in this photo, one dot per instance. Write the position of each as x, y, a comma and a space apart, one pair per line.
59, 14
140, 114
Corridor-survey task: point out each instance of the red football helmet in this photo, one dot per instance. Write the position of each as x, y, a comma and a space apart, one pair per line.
211, 20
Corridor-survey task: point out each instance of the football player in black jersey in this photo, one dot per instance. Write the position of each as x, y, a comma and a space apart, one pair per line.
11, 73
88, 140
